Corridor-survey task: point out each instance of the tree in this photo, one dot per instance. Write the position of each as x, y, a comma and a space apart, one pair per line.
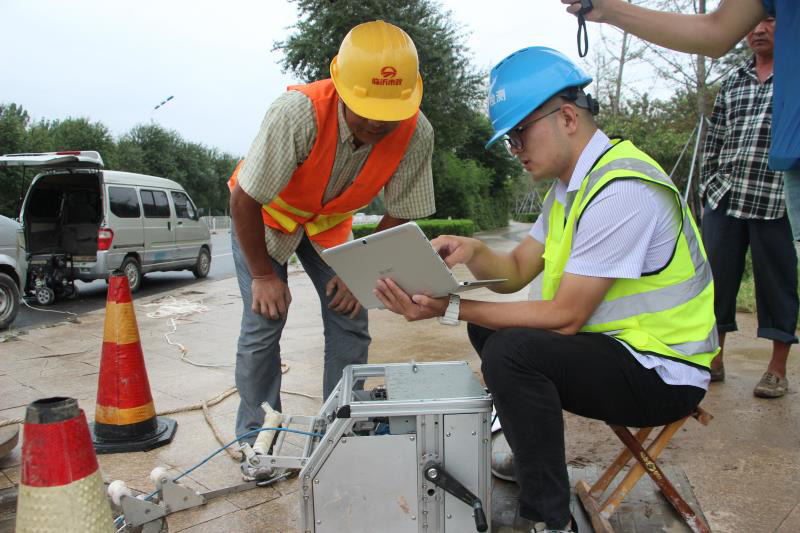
616, 50
202, 171
14, 121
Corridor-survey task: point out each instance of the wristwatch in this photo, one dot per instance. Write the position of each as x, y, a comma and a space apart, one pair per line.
450, 317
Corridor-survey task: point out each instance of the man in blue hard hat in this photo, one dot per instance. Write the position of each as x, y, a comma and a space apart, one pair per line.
624, 331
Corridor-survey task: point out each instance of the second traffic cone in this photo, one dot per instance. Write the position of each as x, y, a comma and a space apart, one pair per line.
60, 487
125, 417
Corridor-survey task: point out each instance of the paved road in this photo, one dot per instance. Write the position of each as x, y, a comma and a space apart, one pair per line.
92, 296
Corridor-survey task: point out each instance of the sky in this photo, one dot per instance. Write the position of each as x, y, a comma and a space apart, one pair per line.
113, 61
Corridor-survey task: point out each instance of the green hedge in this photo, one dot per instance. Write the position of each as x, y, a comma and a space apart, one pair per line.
526, 217
432, 228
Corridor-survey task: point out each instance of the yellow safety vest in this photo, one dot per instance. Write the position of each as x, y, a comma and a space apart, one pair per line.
668, 313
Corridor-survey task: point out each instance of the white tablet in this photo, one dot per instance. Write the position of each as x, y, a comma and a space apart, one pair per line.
402, 253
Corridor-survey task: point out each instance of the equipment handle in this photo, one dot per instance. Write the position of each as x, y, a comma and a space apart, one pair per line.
442, 478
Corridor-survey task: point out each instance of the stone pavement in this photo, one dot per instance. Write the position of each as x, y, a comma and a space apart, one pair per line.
744, 467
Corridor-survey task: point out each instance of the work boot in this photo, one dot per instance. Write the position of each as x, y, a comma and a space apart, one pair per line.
771, 386
254, 465
502, 458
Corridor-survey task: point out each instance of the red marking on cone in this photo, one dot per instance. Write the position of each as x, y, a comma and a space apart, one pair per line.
42, 440
125, 416
60, 485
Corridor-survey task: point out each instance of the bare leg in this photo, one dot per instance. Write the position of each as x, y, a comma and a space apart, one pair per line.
716, 363
780, 353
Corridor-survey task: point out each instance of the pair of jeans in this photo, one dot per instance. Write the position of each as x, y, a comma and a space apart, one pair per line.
726, 240
258, 358
533, 374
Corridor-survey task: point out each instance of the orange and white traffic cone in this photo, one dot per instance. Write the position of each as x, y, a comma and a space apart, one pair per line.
60, 487
125, 417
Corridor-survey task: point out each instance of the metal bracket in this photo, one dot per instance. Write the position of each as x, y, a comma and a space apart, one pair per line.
172, 497
138, 512
177, 497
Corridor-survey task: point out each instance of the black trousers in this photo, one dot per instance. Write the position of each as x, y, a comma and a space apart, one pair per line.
726, 240
533, 374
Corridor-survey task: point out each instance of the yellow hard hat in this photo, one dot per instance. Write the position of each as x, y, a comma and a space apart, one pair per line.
376, 72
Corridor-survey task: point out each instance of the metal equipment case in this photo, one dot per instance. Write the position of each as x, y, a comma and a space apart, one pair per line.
403, 456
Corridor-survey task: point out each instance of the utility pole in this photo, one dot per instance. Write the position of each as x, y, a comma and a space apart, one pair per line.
702, 111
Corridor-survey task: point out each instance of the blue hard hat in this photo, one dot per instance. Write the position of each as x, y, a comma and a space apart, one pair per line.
525, 80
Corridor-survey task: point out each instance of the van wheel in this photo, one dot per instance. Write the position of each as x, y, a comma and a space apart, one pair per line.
203, 264
9, 300
130, 266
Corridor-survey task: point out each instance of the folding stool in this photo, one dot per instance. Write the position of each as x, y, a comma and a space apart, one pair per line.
600, 512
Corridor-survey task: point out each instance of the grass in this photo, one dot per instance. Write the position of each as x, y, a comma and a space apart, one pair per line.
746, 299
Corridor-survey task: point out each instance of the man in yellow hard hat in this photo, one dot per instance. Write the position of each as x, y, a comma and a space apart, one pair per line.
324, 150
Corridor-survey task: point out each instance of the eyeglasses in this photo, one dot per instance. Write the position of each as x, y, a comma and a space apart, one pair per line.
513, 139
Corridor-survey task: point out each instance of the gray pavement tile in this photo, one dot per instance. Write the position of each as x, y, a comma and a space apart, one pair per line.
239, 521
289, 487
23, 347
218, 473
12, 473
133, 468
5, 483
82, 387
193, 442
16, 395
281, 514
52, 367
192, 386
251, 498
198, 515
791, 523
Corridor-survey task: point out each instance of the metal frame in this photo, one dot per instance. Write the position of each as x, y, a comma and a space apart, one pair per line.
344, 409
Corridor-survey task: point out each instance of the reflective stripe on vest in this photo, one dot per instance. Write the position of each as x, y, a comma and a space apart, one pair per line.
313, 226
651, 301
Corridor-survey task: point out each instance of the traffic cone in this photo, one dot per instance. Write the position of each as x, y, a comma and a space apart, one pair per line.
60, 487
125, 418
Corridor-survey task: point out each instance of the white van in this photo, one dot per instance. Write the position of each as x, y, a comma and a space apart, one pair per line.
12, 269
83, 222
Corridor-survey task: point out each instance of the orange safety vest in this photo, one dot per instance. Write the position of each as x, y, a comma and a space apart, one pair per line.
300, 202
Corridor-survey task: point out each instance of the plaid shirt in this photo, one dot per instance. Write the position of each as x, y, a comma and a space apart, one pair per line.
736, 149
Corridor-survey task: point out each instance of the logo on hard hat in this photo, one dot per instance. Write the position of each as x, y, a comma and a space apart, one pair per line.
499, 96
388, 77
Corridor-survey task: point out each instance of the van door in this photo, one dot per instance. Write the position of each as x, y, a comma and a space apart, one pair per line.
159, 232
190, 232
124, 218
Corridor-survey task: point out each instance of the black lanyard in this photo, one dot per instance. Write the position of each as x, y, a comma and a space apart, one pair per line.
586, 6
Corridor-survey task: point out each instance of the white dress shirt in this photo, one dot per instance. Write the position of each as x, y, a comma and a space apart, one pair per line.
628, 229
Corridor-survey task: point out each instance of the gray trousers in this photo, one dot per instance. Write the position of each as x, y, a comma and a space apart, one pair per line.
258, 357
